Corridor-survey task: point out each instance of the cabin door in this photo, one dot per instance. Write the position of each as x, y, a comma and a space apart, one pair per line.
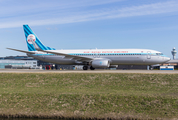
149, 55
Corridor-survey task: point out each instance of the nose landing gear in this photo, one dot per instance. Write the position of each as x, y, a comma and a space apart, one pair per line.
150, 67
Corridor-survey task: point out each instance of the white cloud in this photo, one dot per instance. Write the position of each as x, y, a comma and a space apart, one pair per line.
72, 16
29, 6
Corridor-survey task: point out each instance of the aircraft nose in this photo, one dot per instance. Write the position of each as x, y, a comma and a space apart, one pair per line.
167, 58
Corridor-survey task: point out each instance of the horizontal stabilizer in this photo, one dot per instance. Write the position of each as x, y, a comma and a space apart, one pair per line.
28, 52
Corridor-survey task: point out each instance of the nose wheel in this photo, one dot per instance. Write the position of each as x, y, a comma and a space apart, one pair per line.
150, 67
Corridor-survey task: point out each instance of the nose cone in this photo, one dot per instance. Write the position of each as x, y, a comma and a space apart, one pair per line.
167, 59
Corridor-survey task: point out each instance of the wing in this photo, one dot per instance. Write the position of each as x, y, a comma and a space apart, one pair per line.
28, 52
73, 57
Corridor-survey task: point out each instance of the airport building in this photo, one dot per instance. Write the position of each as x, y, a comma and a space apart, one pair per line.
174, 52
172, 63
25, 62
18, 64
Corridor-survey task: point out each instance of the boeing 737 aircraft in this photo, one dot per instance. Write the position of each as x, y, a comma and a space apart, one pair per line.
93, 58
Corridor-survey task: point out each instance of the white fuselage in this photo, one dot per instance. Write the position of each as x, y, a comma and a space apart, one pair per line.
115, 56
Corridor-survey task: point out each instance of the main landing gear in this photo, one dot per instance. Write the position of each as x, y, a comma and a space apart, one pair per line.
91, 68
149, 67
86, 68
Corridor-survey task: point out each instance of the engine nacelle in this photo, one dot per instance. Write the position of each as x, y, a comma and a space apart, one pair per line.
100, 64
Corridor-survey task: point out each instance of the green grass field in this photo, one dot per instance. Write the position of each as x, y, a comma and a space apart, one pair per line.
89, 95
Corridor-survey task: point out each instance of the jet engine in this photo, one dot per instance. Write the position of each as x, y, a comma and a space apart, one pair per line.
100, 63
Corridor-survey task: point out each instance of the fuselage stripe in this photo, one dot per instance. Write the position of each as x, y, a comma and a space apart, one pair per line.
105, 54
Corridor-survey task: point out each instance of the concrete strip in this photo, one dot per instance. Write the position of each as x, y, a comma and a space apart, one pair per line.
87, 71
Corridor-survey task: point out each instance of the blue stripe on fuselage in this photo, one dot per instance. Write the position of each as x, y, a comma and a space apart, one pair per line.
81, 54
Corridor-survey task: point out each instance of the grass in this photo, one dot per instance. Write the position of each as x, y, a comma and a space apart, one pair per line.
84, 95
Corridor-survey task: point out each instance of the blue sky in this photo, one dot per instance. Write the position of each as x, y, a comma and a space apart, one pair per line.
86, 24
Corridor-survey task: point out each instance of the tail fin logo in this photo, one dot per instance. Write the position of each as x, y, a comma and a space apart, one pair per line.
30, 38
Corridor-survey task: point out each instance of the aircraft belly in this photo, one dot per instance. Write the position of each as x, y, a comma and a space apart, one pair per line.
126, 60
54, 59
60, 60
134, 60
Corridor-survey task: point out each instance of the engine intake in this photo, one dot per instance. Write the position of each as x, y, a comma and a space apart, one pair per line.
100, 64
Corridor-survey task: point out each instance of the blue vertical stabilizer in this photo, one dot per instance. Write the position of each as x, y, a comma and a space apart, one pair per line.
30, 35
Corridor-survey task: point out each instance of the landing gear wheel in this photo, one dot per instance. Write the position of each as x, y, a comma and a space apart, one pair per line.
91, 68
150, 67
85, 67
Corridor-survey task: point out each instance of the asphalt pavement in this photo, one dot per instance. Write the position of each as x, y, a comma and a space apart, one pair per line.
87, 71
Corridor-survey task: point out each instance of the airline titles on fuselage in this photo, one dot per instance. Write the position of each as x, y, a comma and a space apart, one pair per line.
105, 52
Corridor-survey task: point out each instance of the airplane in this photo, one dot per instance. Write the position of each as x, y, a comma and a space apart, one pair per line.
90, 58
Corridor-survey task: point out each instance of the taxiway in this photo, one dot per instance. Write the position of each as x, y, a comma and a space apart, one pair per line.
88, 71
